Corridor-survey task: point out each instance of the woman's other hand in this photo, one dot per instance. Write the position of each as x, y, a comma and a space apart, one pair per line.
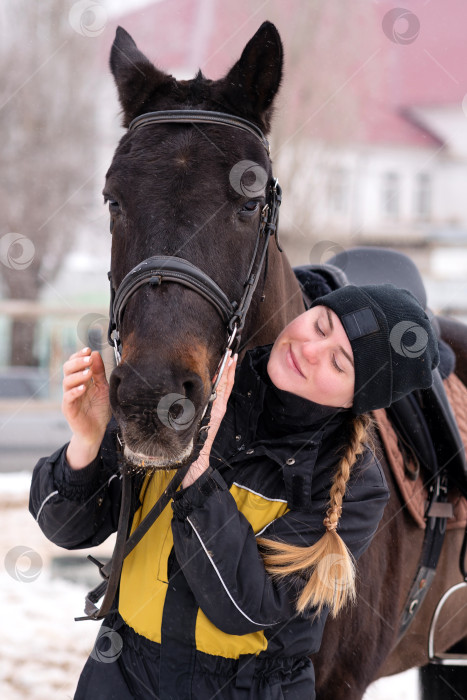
85, 405
219, 407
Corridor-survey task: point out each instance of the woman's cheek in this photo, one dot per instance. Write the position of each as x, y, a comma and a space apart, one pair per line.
328, 387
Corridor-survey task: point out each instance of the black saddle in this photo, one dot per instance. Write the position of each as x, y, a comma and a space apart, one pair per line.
424, 419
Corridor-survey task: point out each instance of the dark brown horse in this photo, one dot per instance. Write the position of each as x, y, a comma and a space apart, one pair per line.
189, 192
196, 192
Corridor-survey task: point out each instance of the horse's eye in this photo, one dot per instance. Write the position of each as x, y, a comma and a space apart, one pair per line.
114, 206
250, 206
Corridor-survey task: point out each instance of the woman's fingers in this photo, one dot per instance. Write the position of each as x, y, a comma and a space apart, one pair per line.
72, 394
81, 370
98, 369
77, 364
85, 401
83, 366
72, 380
223, 392
219, 406
80, 353
226, 382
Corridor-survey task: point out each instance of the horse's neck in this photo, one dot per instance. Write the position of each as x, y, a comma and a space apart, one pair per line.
455, 335
282, 303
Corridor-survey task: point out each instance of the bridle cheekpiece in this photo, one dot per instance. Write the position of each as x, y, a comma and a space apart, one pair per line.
165, 268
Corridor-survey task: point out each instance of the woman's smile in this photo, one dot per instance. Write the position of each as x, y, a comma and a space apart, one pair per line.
292, 362
313, 358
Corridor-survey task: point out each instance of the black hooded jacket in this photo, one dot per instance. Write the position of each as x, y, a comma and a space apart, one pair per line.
195, 588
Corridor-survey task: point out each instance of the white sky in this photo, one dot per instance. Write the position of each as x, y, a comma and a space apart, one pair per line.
118, 7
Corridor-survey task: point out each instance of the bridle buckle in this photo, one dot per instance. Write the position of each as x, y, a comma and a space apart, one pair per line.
115, 338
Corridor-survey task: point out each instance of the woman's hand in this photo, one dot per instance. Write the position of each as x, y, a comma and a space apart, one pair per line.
85, 405
219, 407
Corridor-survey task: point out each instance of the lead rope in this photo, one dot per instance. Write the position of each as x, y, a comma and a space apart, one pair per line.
111, 572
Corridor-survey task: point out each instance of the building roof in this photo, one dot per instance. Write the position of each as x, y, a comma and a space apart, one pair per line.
387, 63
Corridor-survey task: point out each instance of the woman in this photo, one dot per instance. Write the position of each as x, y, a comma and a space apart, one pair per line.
227, 595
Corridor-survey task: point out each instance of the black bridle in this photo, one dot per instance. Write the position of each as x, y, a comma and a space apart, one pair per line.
162, 268
154, 271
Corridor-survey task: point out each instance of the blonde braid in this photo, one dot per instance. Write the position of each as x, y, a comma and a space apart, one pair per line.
327, 564
354, 449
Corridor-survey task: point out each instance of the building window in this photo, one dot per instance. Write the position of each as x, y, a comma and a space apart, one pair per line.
423, 195
391, 195
338, 190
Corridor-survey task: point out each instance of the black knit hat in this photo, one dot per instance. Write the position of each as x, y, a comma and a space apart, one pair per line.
394, 346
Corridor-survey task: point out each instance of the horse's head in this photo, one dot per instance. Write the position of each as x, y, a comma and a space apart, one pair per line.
191, 191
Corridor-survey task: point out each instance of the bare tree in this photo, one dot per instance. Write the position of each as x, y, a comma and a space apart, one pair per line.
47, 122
327, 44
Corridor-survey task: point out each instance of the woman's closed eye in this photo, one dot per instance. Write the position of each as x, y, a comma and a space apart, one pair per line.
319, 330
339, 369
322, 333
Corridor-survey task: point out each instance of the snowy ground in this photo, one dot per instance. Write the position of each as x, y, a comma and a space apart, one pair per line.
42, 649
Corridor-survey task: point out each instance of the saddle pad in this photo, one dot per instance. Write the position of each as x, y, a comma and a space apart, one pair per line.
414, 492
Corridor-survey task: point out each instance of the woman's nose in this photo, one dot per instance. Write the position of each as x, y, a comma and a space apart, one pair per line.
311, 351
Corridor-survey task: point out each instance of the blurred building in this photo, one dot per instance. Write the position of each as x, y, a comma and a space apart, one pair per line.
378, 158
370, 134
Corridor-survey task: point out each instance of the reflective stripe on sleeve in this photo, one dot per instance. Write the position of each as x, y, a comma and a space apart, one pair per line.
54, 493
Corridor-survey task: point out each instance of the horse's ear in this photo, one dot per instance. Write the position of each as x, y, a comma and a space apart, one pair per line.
253, 82
135, 76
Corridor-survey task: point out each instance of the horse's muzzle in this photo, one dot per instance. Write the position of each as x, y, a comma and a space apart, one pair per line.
158, 415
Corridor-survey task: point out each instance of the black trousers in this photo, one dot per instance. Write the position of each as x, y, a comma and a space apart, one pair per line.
124, 665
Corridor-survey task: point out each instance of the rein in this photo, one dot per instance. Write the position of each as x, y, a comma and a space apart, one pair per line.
154, 271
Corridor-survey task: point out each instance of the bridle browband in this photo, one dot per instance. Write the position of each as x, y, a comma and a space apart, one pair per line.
154, 271
193, 116
163, 268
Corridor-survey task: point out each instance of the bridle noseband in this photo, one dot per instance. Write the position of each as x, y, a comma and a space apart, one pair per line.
162, 268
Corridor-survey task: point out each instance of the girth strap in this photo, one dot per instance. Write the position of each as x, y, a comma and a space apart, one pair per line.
437, 515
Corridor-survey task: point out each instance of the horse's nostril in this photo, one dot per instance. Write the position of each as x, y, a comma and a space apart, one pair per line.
192, 388
175, 411
188, 389
114, 385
